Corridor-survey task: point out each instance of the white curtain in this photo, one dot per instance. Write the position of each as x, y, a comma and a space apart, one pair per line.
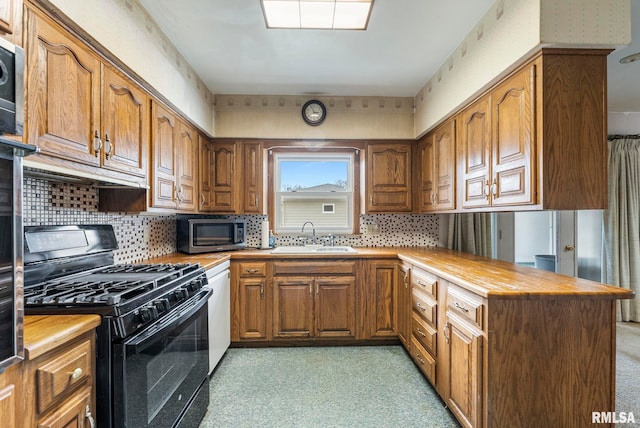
470, 233
622, 222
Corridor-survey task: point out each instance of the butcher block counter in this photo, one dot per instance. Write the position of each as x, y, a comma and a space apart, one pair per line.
503, 345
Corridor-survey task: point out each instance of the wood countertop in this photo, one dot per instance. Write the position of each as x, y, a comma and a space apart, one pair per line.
42, 333
489, 278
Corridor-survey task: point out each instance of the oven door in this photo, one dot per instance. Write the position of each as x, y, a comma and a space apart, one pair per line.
161, 372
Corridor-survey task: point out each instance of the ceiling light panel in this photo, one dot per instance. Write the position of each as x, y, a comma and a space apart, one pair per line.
317, 14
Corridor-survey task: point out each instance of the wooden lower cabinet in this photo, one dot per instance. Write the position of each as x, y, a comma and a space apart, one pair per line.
54, 386
380, 295
250, 301
464, 361
404, 304
320, 306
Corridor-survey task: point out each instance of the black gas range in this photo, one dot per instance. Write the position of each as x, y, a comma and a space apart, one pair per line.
152, 344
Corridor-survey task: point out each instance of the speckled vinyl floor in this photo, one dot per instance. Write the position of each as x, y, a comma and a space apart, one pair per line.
363, 386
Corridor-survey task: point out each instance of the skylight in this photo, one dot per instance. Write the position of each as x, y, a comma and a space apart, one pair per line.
317, 14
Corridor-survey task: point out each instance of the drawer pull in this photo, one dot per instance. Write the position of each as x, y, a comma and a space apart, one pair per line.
461, 307
420, 359
421, 333
422, 283
77, 374
422, 308
252, 270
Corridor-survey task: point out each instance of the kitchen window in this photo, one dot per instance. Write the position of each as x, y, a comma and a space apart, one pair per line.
315, 187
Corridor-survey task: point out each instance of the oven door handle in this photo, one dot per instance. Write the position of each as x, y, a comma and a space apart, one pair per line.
182, 313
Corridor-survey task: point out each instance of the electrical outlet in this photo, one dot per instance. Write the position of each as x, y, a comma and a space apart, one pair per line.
146, 234
372, 229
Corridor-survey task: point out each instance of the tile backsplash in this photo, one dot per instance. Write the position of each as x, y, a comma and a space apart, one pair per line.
142, 236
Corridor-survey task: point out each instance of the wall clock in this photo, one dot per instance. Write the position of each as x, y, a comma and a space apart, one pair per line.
314, 112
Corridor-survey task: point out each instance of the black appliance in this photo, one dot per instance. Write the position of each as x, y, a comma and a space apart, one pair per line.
11, 88
198, 235
152, 345
11, 277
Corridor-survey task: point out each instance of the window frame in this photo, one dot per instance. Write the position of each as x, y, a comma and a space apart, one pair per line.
329, 150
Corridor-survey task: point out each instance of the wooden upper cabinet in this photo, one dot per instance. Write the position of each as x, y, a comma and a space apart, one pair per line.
223, 179
163, 160
187, 146
513, 144
252, 194
63, 94
6, 16
437, 169
475, 153
388, 177
206, 174
125, 113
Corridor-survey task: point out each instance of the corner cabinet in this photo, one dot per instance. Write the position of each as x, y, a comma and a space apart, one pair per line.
388, 186
524, 144
437, 164
81, 112
173, 161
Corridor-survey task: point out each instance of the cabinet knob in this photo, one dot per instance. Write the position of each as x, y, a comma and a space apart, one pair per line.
97, 144
76, 374
107, 146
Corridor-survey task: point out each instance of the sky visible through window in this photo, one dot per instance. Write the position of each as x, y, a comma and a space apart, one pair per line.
303, 174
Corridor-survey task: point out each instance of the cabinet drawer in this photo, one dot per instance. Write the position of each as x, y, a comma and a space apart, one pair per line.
254, 269
425, 282
424, 333
466, 305
425, 307
425, 362
57, 376
308, 267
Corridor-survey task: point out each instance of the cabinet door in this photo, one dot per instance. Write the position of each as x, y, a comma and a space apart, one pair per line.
513, 142
465, 372
383, 299
427, 172
125, 116
335, 309
293, 307
252, 308
6, 16
206, 174
252, 174
389, 177
163, 162
73, 413
404, 305
63, 94
475, 142
187, 145
444, 143
223, 198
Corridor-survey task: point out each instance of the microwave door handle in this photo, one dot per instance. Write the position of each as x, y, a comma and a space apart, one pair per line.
236, 237
140, 342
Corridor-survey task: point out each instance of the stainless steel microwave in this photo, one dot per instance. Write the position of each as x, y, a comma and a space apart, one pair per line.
210, 235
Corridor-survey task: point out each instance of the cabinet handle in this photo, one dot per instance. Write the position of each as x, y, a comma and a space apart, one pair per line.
311, 290
202, 198
494, 188
421, 333
461, 307
88, 415
77, 373
262, 290
487, 190
251, 270
371, 200
419, 359
446, 331
422, 308
422, 284
406, 279
107, 146
97, 144
257, 199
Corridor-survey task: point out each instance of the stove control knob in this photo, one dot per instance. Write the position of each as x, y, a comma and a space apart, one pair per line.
181, 294
195, 285
162, 305
148, 313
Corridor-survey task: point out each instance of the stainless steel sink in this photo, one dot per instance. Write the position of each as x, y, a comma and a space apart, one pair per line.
313, 249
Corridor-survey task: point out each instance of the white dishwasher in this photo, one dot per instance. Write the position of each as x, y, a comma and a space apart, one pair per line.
219, 312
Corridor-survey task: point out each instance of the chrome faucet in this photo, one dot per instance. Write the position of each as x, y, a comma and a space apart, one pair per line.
313, 228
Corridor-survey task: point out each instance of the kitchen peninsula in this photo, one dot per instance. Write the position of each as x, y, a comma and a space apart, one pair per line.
487, 334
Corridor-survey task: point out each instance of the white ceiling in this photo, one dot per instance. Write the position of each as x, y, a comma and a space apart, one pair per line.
228, 45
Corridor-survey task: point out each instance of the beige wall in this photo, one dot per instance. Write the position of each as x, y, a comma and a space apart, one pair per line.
260, 116
125, 28
509, 31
